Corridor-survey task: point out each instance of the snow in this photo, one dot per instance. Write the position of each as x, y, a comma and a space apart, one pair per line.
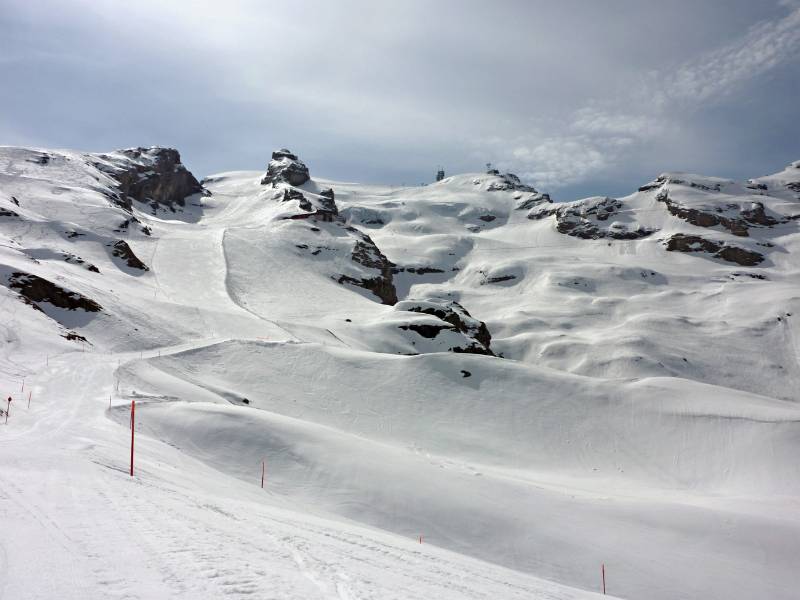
643, 415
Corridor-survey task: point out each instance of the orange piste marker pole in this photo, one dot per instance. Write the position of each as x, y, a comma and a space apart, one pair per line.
133, 422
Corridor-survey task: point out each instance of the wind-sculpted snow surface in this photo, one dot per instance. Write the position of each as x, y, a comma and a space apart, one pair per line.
529, 388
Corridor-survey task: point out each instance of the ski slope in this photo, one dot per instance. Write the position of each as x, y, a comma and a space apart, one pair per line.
638, 407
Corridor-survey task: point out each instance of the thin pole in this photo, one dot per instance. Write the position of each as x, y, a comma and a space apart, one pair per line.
603, 571
263, 468
29, 398
133, 422
8, 409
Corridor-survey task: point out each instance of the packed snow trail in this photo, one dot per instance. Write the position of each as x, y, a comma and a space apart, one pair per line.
75, 525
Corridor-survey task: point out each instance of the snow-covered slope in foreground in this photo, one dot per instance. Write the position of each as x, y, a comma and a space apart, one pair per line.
534, 388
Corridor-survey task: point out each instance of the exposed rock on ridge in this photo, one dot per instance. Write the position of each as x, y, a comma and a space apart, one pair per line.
37, 290
152, 175
734, 216
680, 242
588, 219
285, 167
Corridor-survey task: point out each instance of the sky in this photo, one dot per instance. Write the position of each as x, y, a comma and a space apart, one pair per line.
578, 98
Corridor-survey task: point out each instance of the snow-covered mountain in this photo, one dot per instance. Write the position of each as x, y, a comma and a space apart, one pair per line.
536, 388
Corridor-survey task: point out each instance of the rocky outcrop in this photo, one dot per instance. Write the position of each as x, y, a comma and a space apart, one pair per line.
417, 270
476, 337
327, 202
120, 249
368, 255
534, 200
285, 167
506, 182
154, 175
74, 259
321, 204
126, 224
706, 184
36, 290
694, 243
589, 219
735, 217
286, 171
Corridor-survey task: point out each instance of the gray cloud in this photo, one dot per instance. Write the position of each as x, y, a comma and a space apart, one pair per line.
578, 97
603, 135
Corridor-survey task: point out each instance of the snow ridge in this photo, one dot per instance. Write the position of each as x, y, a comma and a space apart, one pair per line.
534, 387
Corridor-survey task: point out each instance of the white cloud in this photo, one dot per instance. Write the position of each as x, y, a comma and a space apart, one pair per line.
600, 136
722, 71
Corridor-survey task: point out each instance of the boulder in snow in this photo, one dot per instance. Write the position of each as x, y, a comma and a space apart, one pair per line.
472, 337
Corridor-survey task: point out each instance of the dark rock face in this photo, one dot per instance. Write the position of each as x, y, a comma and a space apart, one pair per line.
754, 185
453, 313
285, 171
291, 194
7, 213
283, 153
125, 225
377, 285
285, 167
755, 215
327, 202
739, 224
74, 259
120, 249
152, 175
36, 290
367, 254
534, 200
694, 243
655, 184
417, 270
501, 278
664, 178
426, 331
39, 158
585, 219
507, 182
740, 256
